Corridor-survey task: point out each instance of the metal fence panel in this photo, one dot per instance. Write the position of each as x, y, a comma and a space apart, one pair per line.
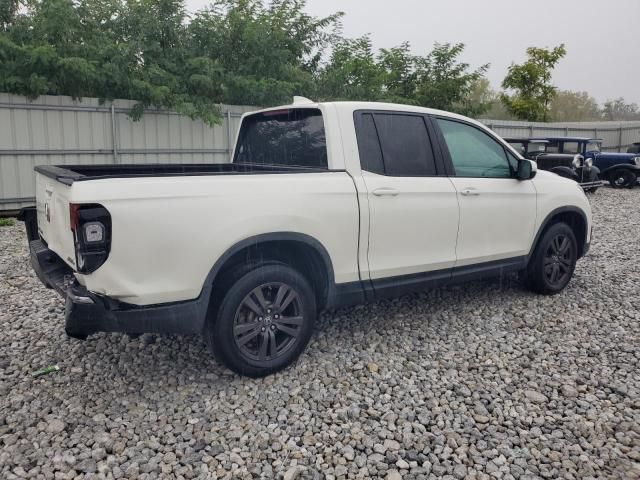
616, 136
57, 130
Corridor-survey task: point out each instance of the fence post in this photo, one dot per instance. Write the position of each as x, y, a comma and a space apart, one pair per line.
114, 137
620, 139
530, 131
229, 140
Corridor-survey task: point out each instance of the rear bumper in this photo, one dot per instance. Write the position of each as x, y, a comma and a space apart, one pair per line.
87, 313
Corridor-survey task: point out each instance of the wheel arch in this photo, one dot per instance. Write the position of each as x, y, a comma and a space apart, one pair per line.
621, 166
300, 251
572, 216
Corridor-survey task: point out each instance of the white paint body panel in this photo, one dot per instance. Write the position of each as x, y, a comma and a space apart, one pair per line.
168, 232
413, 229
497, 220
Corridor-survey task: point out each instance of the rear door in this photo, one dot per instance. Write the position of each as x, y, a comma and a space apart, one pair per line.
412, 204
497, 211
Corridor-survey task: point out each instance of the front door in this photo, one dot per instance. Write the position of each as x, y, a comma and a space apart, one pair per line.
497, 211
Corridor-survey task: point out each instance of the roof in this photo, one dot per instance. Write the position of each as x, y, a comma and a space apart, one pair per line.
301, 102
568, 139
525, 140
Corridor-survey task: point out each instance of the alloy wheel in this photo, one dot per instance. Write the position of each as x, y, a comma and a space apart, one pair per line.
558, 260
268, 321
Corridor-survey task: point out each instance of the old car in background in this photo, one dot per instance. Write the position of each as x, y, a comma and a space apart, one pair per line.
569, 165
621, 170
634, 148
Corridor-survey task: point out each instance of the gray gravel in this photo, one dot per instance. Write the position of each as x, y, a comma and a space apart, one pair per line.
480, 381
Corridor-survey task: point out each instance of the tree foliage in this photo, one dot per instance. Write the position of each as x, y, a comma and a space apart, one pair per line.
618, 109
573, 106
149, 50
531, 83
438, 80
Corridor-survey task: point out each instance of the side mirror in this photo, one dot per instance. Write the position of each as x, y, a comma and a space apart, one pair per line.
527, 169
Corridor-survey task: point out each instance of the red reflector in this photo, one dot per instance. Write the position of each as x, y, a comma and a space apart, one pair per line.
74, 211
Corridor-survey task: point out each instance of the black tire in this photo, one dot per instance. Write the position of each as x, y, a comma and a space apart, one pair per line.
622, 178
553, 262
263, 321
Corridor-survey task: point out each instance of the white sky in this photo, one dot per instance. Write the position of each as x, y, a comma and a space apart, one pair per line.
602, 38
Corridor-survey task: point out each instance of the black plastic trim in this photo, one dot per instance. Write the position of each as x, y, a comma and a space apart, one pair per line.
582, 249
391, 287
68, 174
29, 216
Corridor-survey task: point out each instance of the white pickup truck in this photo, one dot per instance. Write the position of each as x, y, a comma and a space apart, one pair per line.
324, 205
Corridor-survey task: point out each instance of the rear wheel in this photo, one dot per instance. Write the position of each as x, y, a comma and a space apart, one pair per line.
264, 320
554, 260
622, 178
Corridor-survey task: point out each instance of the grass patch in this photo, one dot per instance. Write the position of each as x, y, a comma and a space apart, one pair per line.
7, 222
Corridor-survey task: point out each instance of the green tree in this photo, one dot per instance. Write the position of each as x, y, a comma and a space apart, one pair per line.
444, 82
531, 83
619, 109
568, 106
437, 80
352, 73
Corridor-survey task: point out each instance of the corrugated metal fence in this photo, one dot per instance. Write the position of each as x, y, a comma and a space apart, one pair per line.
60, 130
616, 136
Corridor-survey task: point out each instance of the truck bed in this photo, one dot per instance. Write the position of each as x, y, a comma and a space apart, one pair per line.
68, 174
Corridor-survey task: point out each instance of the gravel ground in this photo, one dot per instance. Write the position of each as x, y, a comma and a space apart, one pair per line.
480, 381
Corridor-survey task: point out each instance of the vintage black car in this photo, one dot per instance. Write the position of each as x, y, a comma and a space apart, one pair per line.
566, 164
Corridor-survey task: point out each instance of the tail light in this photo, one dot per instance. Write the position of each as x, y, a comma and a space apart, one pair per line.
91, 227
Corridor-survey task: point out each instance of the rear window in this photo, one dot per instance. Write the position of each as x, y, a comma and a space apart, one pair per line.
292, 137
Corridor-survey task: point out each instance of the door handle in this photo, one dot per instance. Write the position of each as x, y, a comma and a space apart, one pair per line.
385, 191
469, 191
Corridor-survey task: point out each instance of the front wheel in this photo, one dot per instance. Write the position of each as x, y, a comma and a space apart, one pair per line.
622, 178
554, 260
264, 320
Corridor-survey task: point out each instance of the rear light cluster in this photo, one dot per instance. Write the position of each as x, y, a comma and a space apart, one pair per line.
91, 227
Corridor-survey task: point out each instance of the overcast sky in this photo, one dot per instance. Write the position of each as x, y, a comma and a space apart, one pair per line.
602, 37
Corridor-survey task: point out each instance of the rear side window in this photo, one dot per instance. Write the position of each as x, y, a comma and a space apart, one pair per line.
368, 144
292, 137
395, 145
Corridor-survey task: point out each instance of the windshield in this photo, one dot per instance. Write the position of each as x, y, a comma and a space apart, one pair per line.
593, 147
292, 137
519, 147
537, 147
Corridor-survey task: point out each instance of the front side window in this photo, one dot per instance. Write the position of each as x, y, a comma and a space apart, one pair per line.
593, 147
553, 146
292, 137
571, 147
473, 152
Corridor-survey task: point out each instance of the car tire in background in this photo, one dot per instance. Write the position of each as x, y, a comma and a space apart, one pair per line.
622, 178
553, 261
263, 319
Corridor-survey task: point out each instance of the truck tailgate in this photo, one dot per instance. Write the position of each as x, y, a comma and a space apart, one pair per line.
52, 205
